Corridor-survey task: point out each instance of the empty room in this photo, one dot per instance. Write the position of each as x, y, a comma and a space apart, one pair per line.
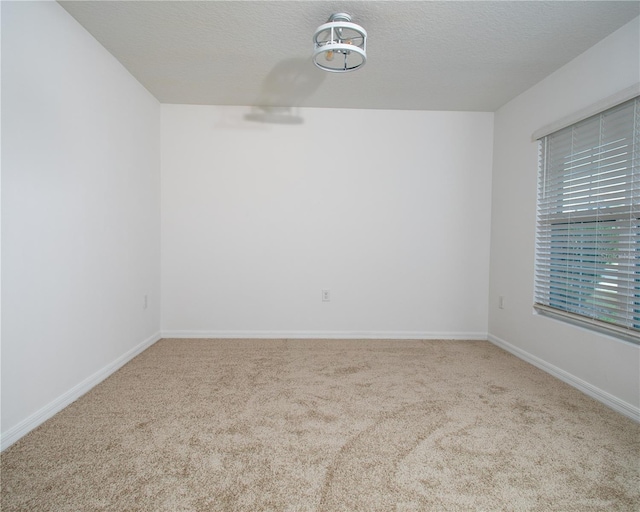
320, 256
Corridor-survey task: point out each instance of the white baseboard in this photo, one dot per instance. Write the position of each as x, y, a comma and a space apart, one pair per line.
40, 416
350, 335
606, 398
27, 425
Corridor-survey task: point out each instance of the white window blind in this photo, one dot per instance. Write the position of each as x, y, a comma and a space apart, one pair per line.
588, 222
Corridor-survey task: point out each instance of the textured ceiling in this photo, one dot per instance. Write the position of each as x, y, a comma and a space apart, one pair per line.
428, 55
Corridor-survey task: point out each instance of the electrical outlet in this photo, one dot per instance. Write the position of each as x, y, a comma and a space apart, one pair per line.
501, 302
326, 296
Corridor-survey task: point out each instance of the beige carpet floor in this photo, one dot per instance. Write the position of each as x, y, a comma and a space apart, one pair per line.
327, 425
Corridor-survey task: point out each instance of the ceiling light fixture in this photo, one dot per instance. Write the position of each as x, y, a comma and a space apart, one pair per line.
339, 45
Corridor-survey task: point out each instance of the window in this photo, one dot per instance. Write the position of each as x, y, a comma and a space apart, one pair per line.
588, 222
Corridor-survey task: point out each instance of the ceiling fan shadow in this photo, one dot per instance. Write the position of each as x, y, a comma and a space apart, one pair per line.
285, 87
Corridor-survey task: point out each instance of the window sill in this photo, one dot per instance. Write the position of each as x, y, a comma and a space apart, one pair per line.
628, 335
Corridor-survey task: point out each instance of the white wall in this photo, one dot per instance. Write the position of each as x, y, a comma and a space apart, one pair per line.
80, 213
257, 218
389, 210
601, 365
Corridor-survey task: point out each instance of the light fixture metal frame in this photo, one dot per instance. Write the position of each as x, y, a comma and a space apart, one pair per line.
336, 44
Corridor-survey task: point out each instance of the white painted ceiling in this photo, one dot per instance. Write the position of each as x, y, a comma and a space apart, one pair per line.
426, 55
